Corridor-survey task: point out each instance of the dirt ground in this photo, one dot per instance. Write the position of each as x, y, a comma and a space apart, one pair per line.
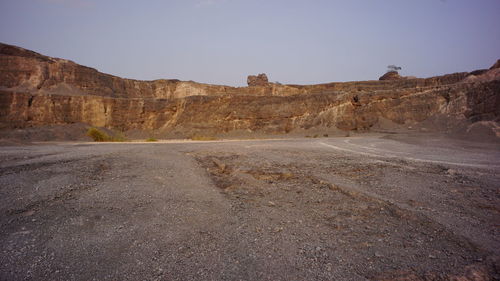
374, 207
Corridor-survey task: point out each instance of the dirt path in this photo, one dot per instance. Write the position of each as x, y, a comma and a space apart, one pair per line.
368, 208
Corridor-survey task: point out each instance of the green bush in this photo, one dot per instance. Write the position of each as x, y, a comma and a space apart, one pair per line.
151, 139
100, 136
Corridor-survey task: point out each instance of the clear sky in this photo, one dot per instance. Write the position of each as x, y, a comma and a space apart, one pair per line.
293, 41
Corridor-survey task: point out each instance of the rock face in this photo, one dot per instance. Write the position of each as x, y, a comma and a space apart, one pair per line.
257, 80
36, 90
391, 75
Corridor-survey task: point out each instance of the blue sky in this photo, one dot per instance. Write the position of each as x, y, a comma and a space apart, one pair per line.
294, 41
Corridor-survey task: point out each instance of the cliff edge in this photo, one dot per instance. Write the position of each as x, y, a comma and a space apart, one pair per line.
36, 90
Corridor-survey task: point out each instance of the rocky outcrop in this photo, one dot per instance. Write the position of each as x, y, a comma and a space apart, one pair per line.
496, 65
390, 75
257, 80
484, 75
36, 90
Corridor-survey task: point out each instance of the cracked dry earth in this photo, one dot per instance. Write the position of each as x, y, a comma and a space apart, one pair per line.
362, 208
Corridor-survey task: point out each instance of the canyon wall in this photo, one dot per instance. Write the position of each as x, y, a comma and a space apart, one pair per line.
37, 90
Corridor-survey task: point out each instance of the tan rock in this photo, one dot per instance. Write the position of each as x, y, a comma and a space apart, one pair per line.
257, 80
36, 90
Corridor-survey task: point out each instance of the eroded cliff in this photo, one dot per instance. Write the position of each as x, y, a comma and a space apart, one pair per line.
37, 90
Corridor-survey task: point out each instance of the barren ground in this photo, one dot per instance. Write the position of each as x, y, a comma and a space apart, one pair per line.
359, 208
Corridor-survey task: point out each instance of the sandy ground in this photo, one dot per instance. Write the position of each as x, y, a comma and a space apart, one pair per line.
359, 208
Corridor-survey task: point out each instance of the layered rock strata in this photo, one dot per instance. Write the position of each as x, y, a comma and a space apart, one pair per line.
37, 90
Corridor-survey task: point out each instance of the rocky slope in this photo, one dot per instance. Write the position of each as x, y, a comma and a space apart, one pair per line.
37, 90
391, 75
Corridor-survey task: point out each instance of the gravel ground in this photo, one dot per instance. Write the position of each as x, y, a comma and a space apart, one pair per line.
393, 207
